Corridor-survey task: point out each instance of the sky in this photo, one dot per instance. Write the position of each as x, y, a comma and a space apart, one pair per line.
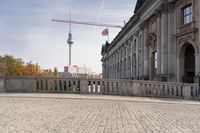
27, 32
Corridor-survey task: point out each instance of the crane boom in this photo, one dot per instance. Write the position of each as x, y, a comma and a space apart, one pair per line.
88, 23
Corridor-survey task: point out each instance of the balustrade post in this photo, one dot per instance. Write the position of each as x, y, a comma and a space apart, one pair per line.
58, 85
114, 88
101, 87
54, 85
39, 85
187, 92
117, 87
63, 85
96, 87
43, 85
84, 86
70, 85
74, 85
67, 85
48, 85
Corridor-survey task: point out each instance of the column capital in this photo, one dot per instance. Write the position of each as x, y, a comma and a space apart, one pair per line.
164, 8
144, 24
171, 7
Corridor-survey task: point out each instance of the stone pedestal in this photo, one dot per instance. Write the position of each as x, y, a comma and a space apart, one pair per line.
84, 86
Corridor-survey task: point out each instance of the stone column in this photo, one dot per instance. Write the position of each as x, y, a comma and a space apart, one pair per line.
131, 54
137, 56
142, 49
141, 54
120, 63
197, 57
159, 45
164, 42
115, 65
107, 69
146, 55
102, 69
171, 43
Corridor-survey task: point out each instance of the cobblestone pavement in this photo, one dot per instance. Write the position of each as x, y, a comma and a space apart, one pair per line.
62, 113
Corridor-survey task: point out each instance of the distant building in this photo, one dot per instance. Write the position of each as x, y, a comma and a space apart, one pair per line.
81, 72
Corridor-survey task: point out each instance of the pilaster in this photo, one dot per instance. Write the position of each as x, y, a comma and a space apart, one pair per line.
159, 44
171, 42
146, 55
164, 42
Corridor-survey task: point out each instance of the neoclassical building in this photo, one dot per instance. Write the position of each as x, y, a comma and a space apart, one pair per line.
160, 42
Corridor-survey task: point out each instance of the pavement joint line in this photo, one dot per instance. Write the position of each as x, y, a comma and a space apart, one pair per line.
168, 101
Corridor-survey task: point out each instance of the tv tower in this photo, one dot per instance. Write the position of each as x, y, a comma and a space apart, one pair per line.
69, 40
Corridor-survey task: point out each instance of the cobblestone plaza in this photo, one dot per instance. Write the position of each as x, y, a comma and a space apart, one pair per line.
94, 113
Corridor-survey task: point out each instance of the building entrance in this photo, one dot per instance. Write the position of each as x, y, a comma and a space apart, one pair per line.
189, 64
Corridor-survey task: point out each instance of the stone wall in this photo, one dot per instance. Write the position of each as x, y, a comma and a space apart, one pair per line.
99, 86
17, 84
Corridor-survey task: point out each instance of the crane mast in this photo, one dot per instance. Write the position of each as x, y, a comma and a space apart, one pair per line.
88, 23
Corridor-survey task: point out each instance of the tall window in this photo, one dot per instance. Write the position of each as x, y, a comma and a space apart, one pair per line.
134, 46
155, 56
140, 41
155, 63
187, 14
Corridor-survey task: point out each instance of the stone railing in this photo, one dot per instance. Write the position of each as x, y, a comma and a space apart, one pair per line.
99, 86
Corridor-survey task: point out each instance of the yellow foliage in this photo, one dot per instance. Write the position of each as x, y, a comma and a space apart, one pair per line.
10, 66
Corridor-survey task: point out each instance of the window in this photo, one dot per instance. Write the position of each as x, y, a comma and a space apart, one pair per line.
155, 63
140, 41
155, 56
134, 46
187, 14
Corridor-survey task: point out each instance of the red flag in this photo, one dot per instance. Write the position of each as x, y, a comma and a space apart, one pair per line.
105, 32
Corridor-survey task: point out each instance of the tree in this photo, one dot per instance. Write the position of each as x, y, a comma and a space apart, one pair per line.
55, 72
10, 66
2, 67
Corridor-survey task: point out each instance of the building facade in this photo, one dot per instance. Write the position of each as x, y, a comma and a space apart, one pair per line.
160, 42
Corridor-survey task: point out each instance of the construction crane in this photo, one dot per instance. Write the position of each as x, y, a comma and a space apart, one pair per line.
88, 23
69, 40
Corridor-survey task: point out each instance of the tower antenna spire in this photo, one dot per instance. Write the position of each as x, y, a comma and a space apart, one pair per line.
70, 21
69, 40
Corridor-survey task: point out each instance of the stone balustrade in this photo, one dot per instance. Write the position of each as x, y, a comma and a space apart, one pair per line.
99, 86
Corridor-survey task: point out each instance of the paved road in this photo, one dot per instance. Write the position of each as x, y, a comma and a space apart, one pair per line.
62, 113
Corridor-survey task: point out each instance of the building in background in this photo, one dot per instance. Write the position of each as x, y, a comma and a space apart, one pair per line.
79, 72
161, 41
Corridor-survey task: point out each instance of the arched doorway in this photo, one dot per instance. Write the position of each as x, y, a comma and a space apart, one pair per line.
187, 63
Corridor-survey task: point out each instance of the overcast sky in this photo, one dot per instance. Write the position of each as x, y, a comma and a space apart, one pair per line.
27, 32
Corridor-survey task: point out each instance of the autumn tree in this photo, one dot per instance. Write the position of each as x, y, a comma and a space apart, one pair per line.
10, 66
55, 72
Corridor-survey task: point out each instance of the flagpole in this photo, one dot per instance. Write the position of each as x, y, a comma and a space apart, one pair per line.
108, 35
